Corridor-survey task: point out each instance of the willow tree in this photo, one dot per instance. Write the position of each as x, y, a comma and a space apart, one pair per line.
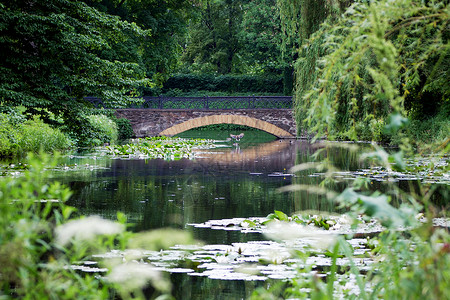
376, 58
300, 19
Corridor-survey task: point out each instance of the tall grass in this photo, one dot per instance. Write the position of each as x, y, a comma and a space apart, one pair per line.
432, 131
36, 136
18, 138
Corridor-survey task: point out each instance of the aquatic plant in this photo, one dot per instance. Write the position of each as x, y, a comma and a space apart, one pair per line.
160, 147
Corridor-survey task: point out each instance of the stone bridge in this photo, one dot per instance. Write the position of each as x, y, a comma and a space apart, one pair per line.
169, 122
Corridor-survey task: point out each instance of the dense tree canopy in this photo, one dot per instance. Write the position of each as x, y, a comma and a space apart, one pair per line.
235, 36
213, 37
260, 37
166, 20
56, 52
53, 54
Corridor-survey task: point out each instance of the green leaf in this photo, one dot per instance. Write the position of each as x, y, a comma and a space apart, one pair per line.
399, 163
281, 215
395, 122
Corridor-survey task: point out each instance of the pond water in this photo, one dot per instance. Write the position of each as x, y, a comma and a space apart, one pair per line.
236, 181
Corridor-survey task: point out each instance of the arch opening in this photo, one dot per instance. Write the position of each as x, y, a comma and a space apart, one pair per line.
227, 119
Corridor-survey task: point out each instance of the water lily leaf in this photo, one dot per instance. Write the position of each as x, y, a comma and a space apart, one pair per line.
281, 215
248, 223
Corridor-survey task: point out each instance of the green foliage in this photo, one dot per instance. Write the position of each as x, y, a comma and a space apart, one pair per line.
236, 36
376, 58
37, 136
320, 221
202, 93
41, 244
225, 83
104, 130
124, 128
8, 136
213, 41
54, 54
260, 38
125, 131
30, 210
301, 18
18, 137
432, 132
159, 53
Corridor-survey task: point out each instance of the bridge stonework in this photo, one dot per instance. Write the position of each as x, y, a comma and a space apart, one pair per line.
169, 122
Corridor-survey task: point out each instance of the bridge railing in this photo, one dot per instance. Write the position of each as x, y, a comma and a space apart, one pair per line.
206, 102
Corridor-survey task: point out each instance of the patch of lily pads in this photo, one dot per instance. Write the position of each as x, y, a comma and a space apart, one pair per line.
432, 169
13, 169
255, 260
296, 243
160, 147
278, 258
338, 224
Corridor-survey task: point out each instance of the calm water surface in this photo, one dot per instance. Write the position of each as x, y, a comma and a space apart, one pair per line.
220, 184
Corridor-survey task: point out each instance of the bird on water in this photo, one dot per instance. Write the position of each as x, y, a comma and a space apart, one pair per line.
237, 137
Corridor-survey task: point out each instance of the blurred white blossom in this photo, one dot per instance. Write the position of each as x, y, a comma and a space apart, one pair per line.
133, 275
86, 229
291, 231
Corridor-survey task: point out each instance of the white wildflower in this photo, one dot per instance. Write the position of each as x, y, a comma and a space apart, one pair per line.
133, 275
86, 229
289, 231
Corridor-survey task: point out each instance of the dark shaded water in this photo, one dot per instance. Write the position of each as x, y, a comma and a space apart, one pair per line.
225, 183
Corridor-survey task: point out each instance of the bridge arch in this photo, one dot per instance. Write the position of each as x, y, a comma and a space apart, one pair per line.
227, 119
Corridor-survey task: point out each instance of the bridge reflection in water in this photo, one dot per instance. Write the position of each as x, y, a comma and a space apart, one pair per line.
267, 150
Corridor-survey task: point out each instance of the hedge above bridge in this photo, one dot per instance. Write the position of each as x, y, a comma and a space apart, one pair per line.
206, 102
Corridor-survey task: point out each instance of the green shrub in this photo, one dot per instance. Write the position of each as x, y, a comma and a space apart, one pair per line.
17, 138
125, 131
104, 130
36, 136
432, 131
224, 83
